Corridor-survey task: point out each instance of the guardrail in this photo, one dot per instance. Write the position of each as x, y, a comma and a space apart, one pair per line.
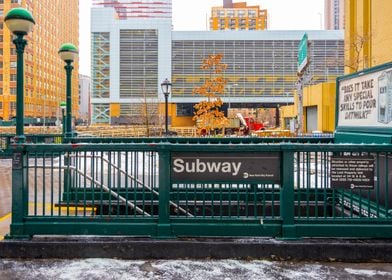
132, 189
6, 141
327, 138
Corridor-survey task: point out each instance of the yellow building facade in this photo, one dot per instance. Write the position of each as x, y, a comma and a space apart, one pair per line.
56, 22
319, 102
367, 39
239, 17
368, 33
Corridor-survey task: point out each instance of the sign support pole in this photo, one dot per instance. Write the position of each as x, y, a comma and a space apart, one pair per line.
303, 64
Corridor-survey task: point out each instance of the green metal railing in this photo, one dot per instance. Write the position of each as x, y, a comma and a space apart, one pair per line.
126, 189
6, 141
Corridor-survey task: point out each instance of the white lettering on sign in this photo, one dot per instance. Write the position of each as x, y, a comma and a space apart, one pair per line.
198, 166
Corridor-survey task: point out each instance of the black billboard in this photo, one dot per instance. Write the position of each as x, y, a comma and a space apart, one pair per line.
205, 167
352, 172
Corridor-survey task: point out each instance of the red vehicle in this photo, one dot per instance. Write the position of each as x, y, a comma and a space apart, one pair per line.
245, 125
253, 125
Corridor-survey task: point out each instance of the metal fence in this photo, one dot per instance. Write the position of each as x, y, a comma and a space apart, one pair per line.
7, 140
127, 189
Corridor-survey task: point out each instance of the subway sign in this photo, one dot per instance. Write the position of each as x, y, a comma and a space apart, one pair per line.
261, 167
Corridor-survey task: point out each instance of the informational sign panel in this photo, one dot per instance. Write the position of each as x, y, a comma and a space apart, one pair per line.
225, 167
303, 53
352, 172
17, 161
366, 100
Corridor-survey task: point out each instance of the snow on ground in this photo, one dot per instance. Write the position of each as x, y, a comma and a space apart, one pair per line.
105, 269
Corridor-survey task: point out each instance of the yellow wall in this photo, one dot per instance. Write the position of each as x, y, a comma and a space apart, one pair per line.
114, 110
182, 121
321, 95
368, 21
178, 121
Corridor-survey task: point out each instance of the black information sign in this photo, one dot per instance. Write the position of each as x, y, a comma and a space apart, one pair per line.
17, 161
225, 167
351, 172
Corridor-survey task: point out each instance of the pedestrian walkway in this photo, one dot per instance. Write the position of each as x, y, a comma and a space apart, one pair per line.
5, 225
102, 269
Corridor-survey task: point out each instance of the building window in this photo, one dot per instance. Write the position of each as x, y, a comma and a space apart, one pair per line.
13, 77
101, 64
184, 110
1, 93
15, 1
138, 62
13, 91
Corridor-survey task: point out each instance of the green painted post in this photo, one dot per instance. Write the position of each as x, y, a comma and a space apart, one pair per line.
63, 124
68, 68
287, 195
19, 194
68, 53
20, 45
68, 181
164, 227
20, 22
63, 106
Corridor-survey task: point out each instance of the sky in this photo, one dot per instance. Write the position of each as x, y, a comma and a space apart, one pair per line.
189, 15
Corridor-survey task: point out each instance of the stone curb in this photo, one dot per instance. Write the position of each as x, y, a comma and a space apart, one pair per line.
269, 249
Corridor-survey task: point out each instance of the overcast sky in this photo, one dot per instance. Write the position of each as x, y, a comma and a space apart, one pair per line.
194, 14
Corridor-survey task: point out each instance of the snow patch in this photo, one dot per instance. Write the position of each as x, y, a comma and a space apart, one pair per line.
367, 272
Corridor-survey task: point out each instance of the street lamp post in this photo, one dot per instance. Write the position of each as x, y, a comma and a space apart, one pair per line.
68, 53
20, 22
63, 106
166, 88
229, 87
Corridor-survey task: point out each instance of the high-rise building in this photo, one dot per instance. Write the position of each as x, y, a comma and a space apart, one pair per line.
334, 14
84, 99
238, 16
56, 22
126, 9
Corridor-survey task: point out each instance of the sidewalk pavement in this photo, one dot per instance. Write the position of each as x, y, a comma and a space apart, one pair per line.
5, 225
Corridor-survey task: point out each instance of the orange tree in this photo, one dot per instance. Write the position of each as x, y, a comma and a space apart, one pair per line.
208, 114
